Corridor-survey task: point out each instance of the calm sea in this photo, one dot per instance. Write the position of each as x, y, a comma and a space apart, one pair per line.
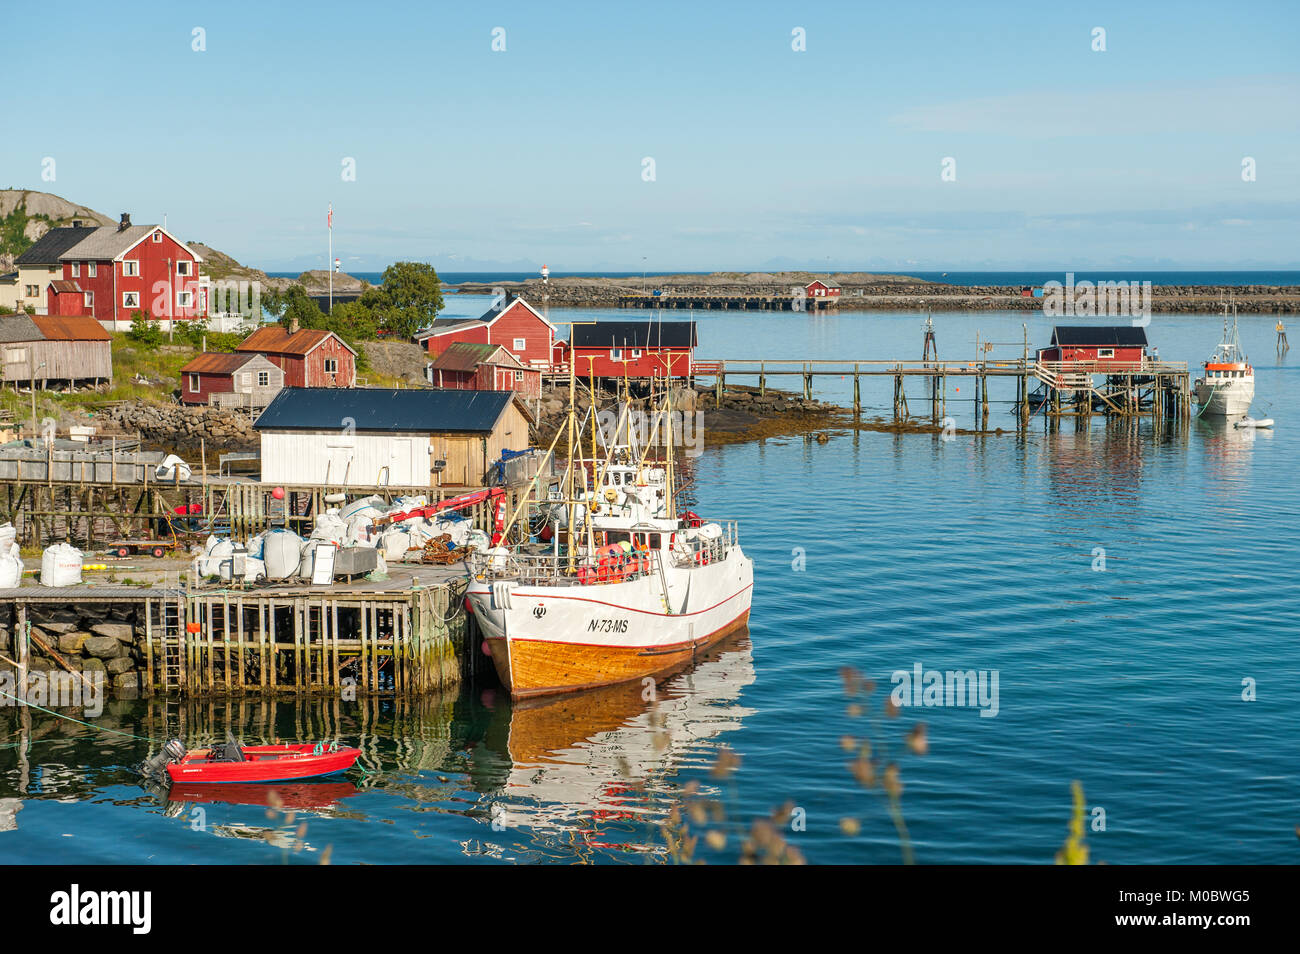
1127, 587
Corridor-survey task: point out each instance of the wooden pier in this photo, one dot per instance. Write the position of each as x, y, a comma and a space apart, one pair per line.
408, 634
1161, 389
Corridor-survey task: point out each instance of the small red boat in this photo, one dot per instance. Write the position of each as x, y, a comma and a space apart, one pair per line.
261, 763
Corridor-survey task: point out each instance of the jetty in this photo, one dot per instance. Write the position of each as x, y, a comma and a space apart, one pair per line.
406, 634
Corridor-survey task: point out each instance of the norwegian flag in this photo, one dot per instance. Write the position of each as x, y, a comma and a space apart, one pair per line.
329, 219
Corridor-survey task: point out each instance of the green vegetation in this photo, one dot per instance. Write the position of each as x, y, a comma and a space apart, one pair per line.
13, 231
145, 331
410, 298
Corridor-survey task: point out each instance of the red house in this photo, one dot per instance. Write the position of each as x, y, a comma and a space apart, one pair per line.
466, 366
821, 289
1120, 344
309, 358
639, 349
518, 327
66, 299
125, 268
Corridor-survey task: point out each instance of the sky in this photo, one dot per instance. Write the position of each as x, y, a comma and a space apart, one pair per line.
675, 136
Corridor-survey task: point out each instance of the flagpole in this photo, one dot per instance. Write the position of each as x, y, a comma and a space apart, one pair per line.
329, 262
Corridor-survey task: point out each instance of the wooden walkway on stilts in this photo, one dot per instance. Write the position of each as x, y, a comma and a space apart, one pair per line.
1161, 389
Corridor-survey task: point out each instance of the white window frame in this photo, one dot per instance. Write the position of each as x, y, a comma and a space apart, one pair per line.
519, 377
157, 237
184, 298
130, 268
1105, 352
185, 270
194, 383
91, 270
76, 269
89, 299
130, 304
335, 363
264, 379
615, 354
636, 353
521, 344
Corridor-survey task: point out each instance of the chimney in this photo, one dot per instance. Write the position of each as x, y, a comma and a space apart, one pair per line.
293, 324
125, 223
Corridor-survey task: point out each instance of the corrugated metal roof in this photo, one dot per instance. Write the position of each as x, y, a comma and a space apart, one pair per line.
217, 362
19, 328
52, 244
466, 356
634, 334
1105, 336
55, 328
273, 339
410, 410
65, 285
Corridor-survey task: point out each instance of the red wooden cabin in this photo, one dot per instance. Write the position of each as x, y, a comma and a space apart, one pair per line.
309, 357
516, 326
1120, 344
465, 366
639, 349
820, 289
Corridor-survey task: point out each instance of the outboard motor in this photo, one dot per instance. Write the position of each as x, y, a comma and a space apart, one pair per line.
173, 752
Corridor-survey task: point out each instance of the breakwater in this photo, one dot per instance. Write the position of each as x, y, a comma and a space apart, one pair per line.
860, 293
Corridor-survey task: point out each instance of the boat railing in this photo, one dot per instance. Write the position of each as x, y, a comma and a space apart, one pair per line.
549, 569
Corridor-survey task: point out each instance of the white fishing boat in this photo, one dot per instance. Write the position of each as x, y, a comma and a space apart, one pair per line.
1228, 386
624, 591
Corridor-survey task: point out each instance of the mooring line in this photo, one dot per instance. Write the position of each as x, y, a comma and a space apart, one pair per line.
88, 725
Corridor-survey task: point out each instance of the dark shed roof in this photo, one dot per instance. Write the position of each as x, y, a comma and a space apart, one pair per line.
397, 410
19, 328
634, 334
52, 244
1105, 336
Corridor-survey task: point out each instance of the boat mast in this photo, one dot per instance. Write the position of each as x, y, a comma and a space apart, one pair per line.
568, 489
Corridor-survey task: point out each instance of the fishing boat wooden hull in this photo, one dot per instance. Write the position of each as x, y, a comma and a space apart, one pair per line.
263, 763
546, 640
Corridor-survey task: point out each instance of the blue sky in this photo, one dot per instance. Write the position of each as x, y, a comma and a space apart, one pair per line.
763, 156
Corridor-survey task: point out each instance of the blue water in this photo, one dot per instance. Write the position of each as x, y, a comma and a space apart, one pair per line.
976, 553
1036, 278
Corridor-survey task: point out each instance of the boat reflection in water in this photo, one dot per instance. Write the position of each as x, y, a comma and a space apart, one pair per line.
598, 769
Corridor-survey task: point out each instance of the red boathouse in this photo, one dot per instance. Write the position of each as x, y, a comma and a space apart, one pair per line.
1119, 344
639, 349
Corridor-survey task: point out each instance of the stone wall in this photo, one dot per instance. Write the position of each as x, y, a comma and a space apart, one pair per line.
175, 426
107, 638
